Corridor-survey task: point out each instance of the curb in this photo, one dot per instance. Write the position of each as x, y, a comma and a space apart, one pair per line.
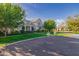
25, 40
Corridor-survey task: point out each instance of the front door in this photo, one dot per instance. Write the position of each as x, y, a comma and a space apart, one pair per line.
32, 28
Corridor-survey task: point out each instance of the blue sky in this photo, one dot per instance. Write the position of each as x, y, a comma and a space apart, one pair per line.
57, 11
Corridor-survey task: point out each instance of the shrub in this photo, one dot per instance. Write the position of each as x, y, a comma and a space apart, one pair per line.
15, 33
1, 33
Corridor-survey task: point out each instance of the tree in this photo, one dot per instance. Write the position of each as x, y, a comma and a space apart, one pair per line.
49, 25
11, 15
73, 23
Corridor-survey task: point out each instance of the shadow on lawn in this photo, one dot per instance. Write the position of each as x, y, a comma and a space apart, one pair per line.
49, 46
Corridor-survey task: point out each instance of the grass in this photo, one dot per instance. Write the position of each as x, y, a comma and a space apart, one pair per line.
63, 34
76, 32
15, 38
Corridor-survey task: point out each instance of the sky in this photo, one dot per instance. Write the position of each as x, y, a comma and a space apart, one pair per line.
56, 11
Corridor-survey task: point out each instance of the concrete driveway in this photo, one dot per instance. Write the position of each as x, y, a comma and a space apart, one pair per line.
48, 46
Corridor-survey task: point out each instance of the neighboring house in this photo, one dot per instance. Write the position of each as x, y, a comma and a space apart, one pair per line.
62, 27
31, 25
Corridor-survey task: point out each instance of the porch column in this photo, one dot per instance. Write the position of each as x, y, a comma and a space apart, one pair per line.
24, 28
30, 28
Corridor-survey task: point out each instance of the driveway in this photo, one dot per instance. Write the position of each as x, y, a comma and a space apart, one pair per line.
48, 46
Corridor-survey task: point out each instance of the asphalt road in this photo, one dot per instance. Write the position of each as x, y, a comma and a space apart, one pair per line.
75, 36
48, 46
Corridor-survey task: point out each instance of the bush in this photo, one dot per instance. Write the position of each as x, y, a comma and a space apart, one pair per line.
22, 31
51, 32
14, 33
40, 30
1, 33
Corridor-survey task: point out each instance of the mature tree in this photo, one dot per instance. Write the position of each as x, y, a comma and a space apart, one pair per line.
73, 23
11, 15
49, 25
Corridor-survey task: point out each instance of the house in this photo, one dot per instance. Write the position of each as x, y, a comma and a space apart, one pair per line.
61, 27
33, 25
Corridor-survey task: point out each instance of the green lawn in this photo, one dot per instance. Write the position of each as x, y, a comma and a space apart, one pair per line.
15, 38
11, 39
64, 34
